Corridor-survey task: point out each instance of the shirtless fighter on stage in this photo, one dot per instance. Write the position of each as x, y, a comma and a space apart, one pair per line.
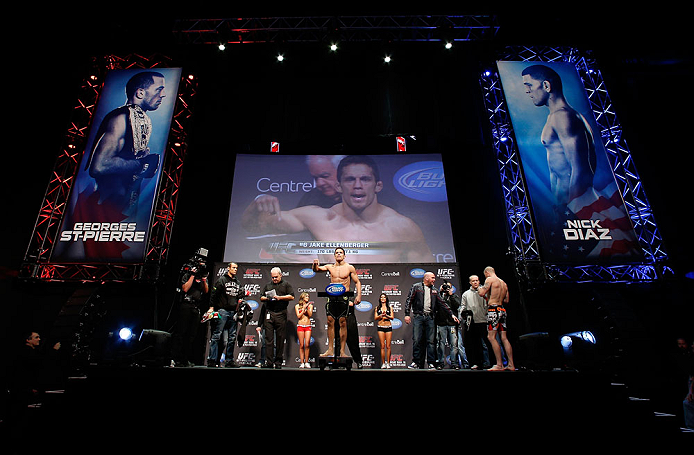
338, 307
495, 290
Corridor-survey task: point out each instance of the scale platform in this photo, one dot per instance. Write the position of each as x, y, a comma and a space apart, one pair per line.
331, 362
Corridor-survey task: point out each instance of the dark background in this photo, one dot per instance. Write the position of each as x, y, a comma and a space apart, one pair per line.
349, 102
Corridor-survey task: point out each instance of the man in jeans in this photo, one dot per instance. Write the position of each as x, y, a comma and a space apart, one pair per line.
423, 301
224, 299
447, 330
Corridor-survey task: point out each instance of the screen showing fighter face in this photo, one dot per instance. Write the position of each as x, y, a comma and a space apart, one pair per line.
379, 208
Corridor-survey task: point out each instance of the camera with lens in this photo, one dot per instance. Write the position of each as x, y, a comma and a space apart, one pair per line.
197, 264
445, 288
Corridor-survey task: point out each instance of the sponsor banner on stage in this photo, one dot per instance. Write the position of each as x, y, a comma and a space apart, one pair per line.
579, 212
385, 209
109, 210
394, 280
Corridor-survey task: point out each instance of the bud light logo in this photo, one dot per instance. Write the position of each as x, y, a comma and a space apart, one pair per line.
335, 289
396, 323
364, 306
307, 273
253, 304
423, 181
417, 273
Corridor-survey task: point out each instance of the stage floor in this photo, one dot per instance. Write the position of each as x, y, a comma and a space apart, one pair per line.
135, 404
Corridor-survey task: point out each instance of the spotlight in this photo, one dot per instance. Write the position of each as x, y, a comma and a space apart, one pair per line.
588, 336
280, 57
584, 335
221, 46
449, 45
333, 47
125, 333
387, 59
580, 350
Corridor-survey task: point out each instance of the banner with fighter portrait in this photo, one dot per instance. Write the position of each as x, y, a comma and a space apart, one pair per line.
579, 213
109, 211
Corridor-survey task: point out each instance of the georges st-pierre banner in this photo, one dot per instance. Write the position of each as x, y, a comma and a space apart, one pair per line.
579, 213
379, 208
110, 205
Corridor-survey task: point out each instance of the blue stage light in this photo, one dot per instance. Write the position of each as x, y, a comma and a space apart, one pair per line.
585, 335
588, 336
125, 333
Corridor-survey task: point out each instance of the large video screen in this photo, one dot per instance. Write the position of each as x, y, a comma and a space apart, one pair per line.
109, 210
579, 212
379, 208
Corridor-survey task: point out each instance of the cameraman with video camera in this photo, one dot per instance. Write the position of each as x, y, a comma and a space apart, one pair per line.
194, 286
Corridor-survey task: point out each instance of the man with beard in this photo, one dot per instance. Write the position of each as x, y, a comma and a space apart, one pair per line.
120, 158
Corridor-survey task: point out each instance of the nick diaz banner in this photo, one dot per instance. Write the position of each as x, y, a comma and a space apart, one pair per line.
579, 213
108, 215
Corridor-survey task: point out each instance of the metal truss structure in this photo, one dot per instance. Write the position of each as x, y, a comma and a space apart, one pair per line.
523, 244
37, 263
338, 28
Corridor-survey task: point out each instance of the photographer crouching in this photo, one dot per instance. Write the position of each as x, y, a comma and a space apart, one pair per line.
194, 286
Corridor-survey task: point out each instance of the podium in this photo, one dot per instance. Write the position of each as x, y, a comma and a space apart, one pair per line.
335, 361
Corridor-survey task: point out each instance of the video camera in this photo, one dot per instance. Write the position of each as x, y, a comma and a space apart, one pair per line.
197, 264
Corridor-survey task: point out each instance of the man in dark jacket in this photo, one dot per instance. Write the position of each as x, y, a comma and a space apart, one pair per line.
224, 299
276, 295
447, 329
423, 301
